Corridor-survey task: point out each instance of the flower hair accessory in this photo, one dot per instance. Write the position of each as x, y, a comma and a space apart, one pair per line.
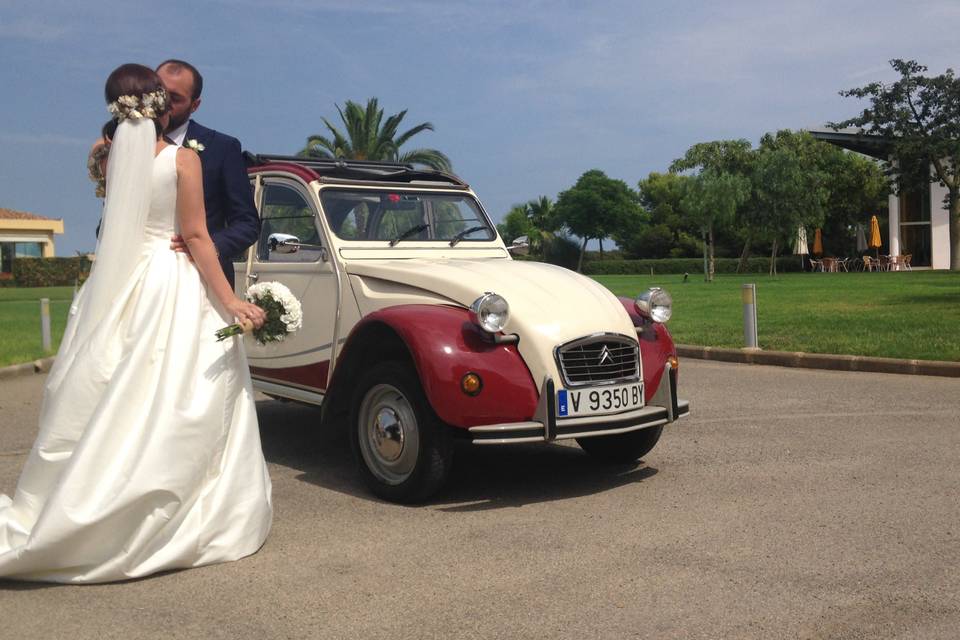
149, 105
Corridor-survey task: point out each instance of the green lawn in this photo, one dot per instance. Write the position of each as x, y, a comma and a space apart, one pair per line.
896, 315
20, 322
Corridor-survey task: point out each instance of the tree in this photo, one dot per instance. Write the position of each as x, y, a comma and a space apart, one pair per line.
543, 224
541, 215
595, 207
515, 224
727, 157
712, 198
851, 186
533, 219
919, 117
719, 156
789, 193
368, 137
668, 235
856, 187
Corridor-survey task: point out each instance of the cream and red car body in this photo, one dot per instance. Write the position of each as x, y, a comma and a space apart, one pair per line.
364, 299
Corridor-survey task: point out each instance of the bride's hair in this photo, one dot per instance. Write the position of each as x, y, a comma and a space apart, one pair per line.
131, 80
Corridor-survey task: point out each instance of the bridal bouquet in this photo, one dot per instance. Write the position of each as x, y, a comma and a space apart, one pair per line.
284, 314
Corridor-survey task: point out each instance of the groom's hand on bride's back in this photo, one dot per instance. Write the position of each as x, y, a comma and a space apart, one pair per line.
177, 244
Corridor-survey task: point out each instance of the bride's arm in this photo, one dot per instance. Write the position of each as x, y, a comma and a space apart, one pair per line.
193, 227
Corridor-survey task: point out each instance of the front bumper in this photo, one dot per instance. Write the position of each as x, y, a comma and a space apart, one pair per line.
664, 407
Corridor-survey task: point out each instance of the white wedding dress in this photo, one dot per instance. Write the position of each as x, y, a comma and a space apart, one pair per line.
148, 456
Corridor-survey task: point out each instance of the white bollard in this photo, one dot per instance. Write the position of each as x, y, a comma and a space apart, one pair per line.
748, 294
45, 323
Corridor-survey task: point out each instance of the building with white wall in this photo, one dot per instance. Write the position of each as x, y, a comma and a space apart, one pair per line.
918, 220
25, 235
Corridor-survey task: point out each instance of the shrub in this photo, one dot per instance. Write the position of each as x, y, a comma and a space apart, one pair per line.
562, 250
692, 266
50, 272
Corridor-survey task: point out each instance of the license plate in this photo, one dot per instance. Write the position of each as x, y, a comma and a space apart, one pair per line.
598, 401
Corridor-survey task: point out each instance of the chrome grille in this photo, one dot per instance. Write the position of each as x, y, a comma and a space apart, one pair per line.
598, 360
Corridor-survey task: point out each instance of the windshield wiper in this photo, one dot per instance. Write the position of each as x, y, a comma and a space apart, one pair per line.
412, 231
463, 234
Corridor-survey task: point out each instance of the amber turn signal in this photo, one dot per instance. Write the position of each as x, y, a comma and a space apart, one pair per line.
674, 362
471, 384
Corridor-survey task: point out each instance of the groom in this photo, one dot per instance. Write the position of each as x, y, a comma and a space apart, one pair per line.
232, 218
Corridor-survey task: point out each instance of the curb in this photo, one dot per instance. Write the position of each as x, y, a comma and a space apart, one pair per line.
823, 361
37, 366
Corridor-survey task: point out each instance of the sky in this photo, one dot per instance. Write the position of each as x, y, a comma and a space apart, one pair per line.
525, 96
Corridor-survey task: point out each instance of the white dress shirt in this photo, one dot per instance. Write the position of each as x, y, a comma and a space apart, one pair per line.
178, 134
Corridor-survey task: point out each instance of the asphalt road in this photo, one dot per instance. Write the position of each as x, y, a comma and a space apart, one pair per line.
793, 504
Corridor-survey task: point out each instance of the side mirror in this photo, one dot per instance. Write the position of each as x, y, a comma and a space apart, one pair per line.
520, 246
283, 243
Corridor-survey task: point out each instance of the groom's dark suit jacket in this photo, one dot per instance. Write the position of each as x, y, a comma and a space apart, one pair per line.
232, 218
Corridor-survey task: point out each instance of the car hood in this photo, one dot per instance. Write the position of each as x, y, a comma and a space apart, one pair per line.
549, 305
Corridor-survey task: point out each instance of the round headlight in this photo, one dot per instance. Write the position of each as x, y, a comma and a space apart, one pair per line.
490, 312
656, 303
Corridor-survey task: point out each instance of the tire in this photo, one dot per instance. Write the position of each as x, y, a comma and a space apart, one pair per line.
403, 451
623, 447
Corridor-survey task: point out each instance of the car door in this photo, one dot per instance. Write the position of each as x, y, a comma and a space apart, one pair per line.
302, 360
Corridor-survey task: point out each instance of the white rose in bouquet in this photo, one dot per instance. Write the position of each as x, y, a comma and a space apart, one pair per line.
284, 314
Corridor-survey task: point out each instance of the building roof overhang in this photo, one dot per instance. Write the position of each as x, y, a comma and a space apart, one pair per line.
855, 140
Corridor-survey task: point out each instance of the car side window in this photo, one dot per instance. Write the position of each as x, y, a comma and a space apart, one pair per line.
286, 215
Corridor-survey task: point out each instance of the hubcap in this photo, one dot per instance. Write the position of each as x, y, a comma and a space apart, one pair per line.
388, 434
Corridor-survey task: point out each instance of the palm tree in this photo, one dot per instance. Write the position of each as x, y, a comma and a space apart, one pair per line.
366, 139
540, 214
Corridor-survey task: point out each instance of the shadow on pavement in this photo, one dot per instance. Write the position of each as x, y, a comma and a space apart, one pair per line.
486, 478
483, 478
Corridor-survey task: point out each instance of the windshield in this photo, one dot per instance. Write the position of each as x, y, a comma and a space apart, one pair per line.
398, 216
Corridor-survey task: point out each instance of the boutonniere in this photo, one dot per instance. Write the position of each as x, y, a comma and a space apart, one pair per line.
196, 146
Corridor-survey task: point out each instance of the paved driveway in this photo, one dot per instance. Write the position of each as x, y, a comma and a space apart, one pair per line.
794, 503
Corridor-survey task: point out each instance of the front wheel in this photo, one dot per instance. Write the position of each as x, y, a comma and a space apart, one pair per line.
403, 450
622, 447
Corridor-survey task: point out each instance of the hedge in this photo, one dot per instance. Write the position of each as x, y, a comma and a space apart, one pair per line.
687, 265
50, 272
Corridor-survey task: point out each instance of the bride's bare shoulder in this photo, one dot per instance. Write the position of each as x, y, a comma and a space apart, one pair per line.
188, 162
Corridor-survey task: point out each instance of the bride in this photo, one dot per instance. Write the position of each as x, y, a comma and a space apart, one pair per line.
148, 456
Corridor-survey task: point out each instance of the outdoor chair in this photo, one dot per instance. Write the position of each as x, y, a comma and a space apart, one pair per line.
870, 264
906, 260
884, 263
829, 264
816, 265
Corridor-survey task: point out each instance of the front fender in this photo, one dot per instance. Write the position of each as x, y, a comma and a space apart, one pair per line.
656, 347
445, 345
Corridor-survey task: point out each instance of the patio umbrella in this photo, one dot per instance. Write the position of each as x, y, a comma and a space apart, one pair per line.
861, 239
800, 247
875, 242
817, 243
